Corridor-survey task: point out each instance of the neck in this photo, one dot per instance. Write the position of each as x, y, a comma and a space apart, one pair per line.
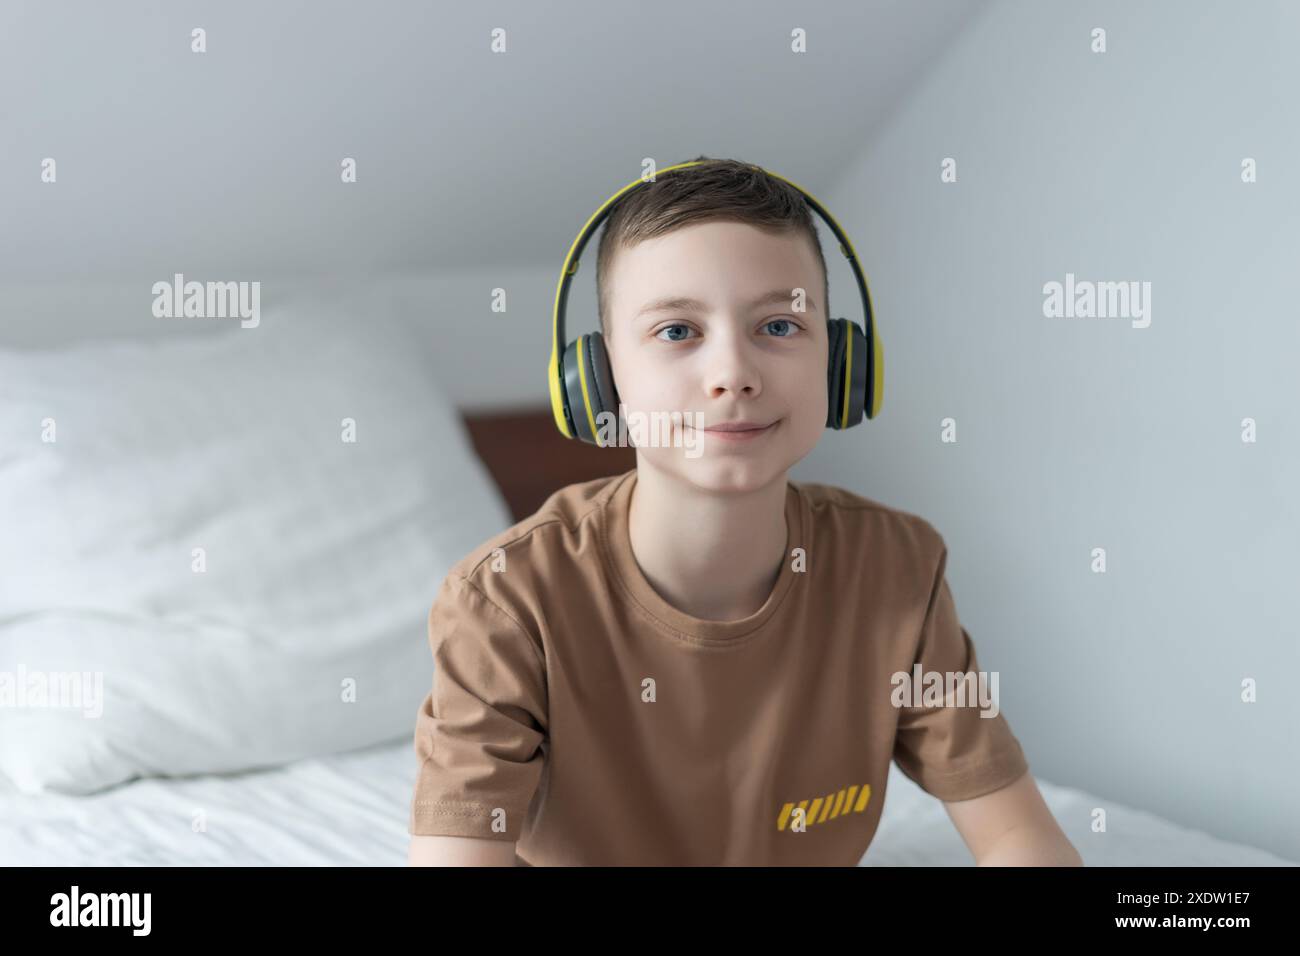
713, 555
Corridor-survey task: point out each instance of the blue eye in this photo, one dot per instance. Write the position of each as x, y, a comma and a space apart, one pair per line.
668, 327
783, 322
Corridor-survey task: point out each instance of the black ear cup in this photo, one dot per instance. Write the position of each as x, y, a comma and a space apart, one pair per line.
589, 387
847, 361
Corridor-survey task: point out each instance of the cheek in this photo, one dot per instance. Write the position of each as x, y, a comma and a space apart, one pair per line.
810, 386
625, 383
818, 400
812, 418
641, 388
812, 407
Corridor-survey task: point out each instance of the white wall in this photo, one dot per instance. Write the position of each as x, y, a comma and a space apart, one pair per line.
1073, 433
483, 359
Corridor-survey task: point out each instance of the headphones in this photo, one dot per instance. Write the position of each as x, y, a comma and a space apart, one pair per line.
582, 384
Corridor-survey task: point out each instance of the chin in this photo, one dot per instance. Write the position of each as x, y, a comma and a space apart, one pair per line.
725, 469
730, 475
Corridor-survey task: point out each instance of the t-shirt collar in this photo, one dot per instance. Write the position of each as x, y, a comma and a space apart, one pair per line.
616, 542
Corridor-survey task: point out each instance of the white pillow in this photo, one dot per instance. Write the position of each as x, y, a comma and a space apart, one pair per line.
320, 556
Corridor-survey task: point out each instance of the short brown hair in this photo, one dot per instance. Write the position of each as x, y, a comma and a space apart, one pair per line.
716, 189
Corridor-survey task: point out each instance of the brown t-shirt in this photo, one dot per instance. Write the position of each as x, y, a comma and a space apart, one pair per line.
577, 712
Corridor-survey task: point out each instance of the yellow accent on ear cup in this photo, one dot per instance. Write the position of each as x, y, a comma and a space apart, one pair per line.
848, 376
586, 395
557, 400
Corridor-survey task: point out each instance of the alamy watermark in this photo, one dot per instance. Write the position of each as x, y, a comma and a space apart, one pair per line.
208, 300
946, 689
55, 689
674, 429
75, 908
1098, 300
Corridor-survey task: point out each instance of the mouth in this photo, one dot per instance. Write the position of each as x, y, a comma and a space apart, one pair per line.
745, 433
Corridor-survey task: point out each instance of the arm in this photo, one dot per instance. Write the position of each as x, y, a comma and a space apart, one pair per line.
1012, 827
460, 851
480, 734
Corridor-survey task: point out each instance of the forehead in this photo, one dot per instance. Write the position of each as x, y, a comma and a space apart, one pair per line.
715, 261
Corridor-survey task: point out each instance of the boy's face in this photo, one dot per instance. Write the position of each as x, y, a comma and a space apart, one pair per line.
726, 360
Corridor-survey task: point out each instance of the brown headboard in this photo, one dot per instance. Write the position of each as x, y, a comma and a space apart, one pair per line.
530, 459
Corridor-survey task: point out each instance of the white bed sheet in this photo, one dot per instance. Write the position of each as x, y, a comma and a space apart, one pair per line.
351, 809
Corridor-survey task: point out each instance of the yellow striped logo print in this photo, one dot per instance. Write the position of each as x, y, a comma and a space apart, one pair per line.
820, 809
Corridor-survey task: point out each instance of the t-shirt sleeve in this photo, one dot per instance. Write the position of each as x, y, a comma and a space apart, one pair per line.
954, 752
479, 731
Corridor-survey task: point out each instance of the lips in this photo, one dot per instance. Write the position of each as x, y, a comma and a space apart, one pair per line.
733, 432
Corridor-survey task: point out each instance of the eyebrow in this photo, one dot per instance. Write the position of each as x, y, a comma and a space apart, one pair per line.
685, 304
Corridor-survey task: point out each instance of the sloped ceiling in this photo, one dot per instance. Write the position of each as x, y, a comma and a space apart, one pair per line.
229, 161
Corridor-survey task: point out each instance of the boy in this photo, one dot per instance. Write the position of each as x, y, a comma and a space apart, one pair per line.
697, 662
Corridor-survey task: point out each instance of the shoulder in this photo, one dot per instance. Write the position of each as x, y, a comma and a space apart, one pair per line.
512, 568
837, 510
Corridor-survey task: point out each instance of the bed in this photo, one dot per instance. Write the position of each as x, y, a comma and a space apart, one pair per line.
213, 792
351, 810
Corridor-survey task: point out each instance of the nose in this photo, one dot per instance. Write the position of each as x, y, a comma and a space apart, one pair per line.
731, 366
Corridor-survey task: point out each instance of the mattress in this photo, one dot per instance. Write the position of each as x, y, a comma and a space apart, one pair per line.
351, 810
